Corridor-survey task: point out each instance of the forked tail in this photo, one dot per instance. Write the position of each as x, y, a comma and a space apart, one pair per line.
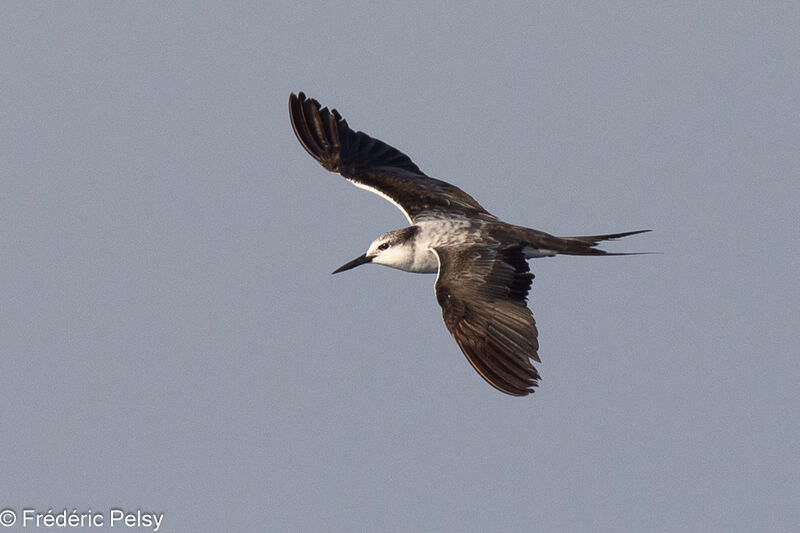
585, 245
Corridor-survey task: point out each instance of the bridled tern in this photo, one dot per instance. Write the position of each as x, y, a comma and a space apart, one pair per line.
483, 275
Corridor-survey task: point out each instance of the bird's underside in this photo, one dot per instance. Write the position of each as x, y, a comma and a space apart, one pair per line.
483, 276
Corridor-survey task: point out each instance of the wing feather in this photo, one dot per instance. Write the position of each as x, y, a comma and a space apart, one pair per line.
372, 164
483, 293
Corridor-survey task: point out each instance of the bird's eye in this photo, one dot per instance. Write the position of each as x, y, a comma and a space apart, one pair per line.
384, 246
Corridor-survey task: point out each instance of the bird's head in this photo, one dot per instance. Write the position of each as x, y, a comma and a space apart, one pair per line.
394, 249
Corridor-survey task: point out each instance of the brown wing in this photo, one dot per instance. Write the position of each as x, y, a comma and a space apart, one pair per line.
372, 164
483, 292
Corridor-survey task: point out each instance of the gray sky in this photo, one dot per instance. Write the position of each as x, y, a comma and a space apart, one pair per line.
172, 339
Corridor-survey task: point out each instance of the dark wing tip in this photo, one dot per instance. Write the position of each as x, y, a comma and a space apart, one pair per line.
317, 129
327, 138
500, 369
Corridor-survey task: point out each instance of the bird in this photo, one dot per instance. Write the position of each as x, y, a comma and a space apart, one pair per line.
483, 276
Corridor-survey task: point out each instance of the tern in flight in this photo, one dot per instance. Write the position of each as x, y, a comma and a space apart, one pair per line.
483, 275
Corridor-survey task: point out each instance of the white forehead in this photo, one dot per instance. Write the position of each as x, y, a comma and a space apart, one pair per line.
377, 242
386, 237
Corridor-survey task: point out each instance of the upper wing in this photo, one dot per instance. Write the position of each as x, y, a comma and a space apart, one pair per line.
483, 292
372, 164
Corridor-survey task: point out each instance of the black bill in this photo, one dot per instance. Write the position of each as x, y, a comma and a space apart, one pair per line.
360, 260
